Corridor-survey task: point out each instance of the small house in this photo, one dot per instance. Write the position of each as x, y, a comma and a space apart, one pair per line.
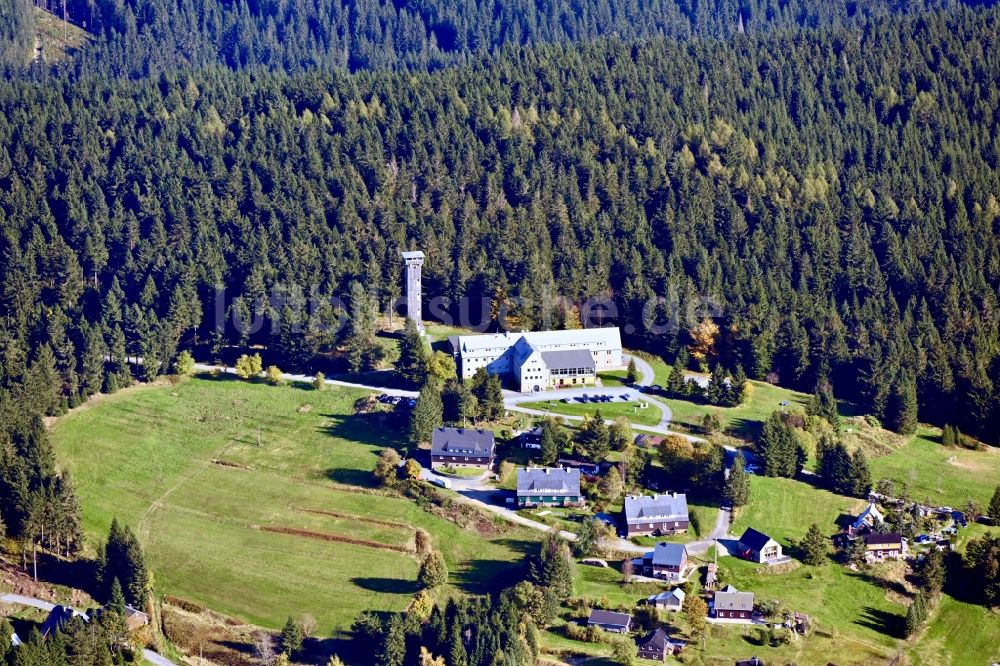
672, 600
666, 561
545, 486
880, 547
585, 467
731, 604
657, 645
57, 619
531, 439
135, 618
758, 547
866, 520
617, 623
462, 447
657, 514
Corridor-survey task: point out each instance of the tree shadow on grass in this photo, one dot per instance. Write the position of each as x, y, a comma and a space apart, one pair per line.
81, 574
375, 429
387, 585
884, 583
482, 576
883, 622
744, 428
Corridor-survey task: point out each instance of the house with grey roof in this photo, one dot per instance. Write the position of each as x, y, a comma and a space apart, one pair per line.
666, 561
619, 623
538, 360
671, 600
462, 447
731, 604
656, 514
537, 486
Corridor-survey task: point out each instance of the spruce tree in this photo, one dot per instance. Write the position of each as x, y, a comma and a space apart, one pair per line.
428, 413
993, 511
632, 374
901, 411
738, 483
291, 637
813, 546
551, 442
392, 651
412, 363
860, 474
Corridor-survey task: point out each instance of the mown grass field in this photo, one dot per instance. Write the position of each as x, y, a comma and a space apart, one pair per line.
182, 465
650, 415
940, 475
785, 508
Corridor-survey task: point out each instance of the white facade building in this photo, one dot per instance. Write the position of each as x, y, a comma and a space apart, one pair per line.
538, 360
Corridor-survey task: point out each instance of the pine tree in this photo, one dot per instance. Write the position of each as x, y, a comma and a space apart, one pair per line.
738, 483
551, 442
675, 381
554, 567
392, 652
933, 572
813, 546
901, 411
491, 401
860, 474
632, 374
428, 413
291, 637
433, 571
412, 363
994, 509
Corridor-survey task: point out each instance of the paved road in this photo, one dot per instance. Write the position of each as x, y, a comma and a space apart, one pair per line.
148, 655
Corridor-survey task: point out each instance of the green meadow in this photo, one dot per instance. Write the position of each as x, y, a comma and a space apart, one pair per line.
255, 500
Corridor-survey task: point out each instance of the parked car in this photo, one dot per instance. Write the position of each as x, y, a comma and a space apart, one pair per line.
626, 396
922, 538
656, 387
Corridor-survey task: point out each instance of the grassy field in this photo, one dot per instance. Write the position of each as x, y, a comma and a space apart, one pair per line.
939, 475
649, 415
242, 495
785, 508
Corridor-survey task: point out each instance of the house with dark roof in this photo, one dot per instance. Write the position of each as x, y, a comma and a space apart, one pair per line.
731, 604
656, 514
758, 547
666, 561
531, 439
672, 600
462, 447
881, 547
618, 623
57, 619
658, 645
548, 486
866, 520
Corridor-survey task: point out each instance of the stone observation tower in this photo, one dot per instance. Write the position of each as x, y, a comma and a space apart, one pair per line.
414, 260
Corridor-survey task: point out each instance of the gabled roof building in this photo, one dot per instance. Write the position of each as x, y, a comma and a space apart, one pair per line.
731, 604
462, 447
548, 486
657, 514
538, 360
666, 561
